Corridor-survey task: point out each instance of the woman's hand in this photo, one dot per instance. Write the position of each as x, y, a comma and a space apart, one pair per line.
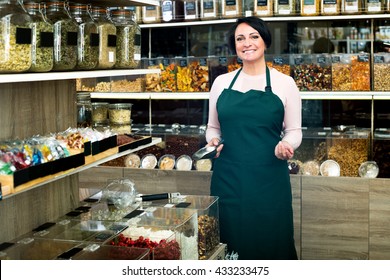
284, 150
215, 142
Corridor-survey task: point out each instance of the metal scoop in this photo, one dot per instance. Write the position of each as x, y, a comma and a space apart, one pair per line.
206, 152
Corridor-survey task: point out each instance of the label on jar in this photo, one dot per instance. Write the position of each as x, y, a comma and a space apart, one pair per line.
363, 58
203, 62
336, 59
379, 59
23, 35
71, 39
111, 40
321, 59
94, 40
167, 10
47, 39
190, 10
262, 3
222, 60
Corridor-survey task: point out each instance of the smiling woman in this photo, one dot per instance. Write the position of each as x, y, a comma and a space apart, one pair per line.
251, 108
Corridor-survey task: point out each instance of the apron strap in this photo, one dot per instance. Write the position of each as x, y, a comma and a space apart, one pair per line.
268, 77
234, 79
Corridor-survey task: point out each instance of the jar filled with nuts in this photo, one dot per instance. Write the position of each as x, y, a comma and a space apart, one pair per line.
15, 41
65, 35
107, 38
128, 38
120, 113
42, 38
87, 38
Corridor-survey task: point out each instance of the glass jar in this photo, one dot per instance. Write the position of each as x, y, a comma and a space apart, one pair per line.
87, 38
120, 113
42, 38
310, 7
15, 39
374, 6
151, 14
330, 7
65, 35
231, 8
84, 109
100, 113
128, 38
107, 38
263, 8
172, 10
351, 7
191, 10
284, 7
137, 11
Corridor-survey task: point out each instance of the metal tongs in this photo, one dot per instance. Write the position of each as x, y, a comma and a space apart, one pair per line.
206, 152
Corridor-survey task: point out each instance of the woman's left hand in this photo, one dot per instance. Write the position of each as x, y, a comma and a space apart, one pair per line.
284, 150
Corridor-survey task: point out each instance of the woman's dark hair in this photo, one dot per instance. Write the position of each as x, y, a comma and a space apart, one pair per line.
255, 23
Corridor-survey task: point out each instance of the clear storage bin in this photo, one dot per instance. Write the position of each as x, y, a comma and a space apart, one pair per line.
99, 113
42, 38
281, 63
151, 14
381, 151
341, 72
84, 109
382, 72
65, 36
120, 113
106, 252
152, 81
15, 41
168, 75
107, 38
361, 72
217, 66
310, 7
183, 75
199, 74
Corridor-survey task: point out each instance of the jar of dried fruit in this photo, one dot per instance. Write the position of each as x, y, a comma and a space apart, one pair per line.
15, 39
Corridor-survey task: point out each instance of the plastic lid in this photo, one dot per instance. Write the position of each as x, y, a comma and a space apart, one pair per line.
368, 169
149, 161
166, 162
184, 162
330, 168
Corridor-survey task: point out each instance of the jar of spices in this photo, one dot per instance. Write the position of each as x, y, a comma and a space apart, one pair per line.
310, 7
330, 7
87, 38
191, 10
42, 38
172, 10
209, 9
107, 38
84, 109
137, 11
15, 40
374, 6
128, 38
351, 7
120, 113
65, 35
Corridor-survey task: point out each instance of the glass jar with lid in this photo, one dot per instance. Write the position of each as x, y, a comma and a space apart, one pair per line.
84, 109
172, 10
15, 39
128, 38
107, 38
151, 14
120, 113
231, 8
65, 35
284, 7
87, 38
100, 113
42, 38
310, 7
209, 9
374, 6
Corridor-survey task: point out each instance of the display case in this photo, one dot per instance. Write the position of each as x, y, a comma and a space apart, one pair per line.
106, 252
171, 232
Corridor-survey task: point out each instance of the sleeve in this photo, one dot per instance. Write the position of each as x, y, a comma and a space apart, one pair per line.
292, 132
213, 127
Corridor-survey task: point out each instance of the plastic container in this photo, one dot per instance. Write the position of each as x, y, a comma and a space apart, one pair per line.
120, 113
128, 36
42, 38
374, 6
172, 10
330, 7
65, 36
282, 64
152, 81
203, 165
231, 8
310, 7
100, 113
369, 169
341, 72
209, 9
183, 75
148, 161
313, 146
263, 8
168, 75
151, 14
199, 74
381, 72
121, 128
132, 160
330, 168
361, 72
107, 38
284, 7
166, 162
191, 10
183, 162
84, 109
15, 44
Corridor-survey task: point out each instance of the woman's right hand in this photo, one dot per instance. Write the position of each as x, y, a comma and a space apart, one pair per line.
213, 143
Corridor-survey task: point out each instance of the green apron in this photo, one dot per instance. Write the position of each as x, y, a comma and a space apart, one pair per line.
253, 186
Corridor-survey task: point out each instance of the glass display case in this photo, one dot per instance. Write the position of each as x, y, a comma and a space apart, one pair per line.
106, 252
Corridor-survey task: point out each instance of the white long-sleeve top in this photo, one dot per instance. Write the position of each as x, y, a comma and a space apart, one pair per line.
282, 85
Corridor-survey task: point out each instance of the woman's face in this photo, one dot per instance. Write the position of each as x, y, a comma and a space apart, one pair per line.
250, 46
